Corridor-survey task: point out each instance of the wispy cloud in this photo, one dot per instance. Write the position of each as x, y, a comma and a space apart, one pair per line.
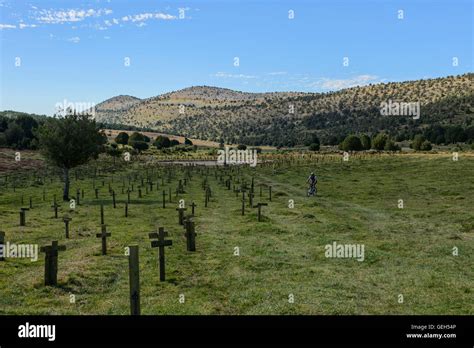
335, 84
147, 16
7, 26
23, 25
74, 39
68, 16
234, 76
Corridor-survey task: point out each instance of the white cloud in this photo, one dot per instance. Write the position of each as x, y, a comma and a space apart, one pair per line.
335, 84
67, 16
277, 73
74, 39
146, 16
234, 76
22, 26
7, 26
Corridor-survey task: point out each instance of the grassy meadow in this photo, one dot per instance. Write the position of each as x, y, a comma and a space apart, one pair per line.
408, 251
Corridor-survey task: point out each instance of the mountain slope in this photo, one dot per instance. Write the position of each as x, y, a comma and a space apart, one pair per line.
213, 113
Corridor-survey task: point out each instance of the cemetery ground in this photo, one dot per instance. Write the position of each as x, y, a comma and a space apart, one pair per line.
408, 251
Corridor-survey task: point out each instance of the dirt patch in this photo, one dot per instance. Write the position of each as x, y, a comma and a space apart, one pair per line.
29, 160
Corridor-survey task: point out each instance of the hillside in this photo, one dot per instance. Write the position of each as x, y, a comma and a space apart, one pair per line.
212, 113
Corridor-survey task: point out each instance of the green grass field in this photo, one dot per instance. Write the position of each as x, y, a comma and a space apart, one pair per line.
408, 251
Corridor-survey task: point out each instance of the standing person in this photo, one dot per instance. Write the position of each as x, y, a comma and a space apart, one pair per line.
312, 180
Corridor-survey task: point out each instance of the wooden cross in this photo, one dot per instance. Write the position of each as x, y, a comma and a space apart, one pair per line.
23, 216
55, 206
193, 205
259, 206
134, 279
2, 243
113, 198
66, 220
161, 243
126, 209
51, 262
164, 199
104, 234
96, 193
190, 235
102, 214
181, 215
78, 196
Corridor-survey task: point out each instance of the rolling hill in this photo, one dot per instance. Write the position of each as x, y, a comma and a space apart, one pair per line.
287, 118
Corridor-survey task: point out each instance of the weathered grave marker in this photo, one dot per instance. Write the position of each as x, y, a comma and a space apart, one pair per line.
134, 279
55, 206
51, 262
113, 198
102, 221
104, 234
193, 205
161, 243
23, 216
190, 234
181, 214
66, 220
259, 206
2, 243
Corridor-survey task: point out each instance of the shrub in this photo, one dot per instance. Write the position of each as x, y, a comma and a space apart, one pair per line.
140, 145
426, 146
314, 147
174, 142
391, 146
242, 147
379, 141
365, 141
162, 142
187, 141
417, 141
122, 138
351, 143
136, 137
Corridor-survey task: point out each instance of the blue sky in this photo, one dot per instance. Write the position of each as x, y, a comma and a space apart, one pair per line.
77, 50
